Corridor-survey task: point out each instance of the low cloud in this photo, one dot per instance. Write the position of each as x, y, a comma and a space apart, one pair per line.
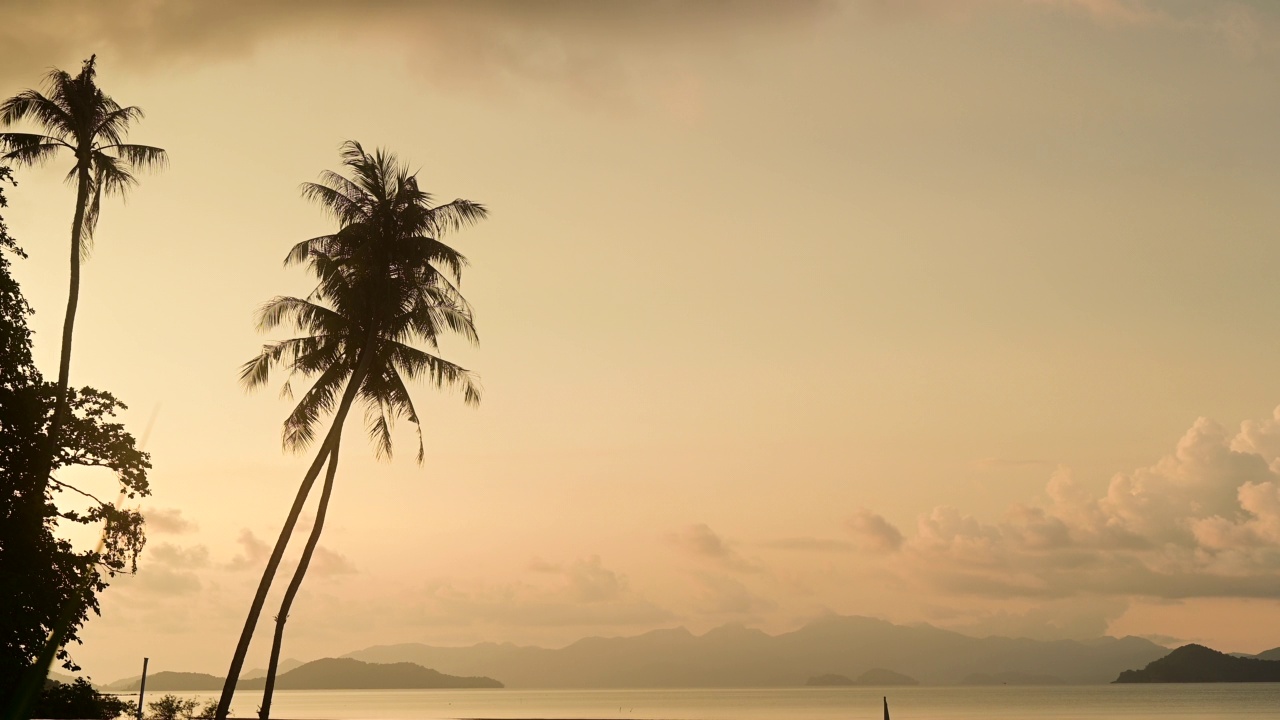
872, 532
701, 542
326, 562
809, 544
1202, 522
253, 553
718, 594
167, 520
174, 556
583, 593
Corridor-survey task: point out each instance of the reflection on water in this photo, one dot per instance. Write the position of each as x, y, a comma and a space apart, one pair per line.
1089, 702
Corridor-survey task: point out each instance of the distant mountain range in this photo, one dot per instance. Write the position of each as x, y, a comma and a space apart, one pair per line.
735, 656
1199, 664
324, 674
169, 680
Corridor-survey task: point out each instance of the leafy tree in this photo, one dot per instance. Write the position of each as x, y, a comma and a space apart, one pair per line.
6, 242
386, 283
76, 115
49, 588
78, 700
172, 707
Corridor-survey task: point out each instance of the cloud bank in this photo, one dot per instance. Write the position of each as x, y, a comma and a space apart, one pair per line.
1202, 522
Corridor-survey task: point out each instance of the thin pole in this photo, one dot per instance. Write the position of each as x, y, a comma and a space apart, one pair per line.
142, 687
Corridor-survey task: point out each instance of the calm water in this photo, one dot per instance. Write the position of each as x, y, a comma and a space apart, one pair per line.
1092, 702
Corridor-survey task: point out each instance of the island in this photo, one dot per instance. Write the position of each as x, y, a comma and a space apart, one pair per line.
1199, 664
323, 674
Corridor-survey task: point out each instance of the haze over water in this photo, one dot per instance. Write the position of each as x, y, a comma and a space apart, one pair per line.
1083, 702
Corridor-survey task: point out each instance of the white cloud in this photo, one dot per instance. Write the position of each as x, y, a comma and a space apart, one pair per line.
1202, 522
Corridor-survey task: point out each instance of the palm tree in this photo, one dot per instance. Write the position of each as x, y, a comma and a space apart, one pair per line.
76, 115
385, 284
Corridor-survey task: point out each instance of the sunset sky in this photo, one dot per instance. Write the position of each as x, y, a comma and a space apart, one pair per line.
964, 312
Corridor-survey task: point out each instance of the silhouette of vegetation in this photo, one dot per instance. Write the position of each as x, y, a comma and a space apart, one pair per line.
172, 707
1199, 664
80, 701
385, 283
49, 587
76, 115
6, 242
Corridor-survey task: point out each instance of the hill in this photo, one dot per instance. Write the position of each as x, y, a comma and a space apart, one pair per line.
1199, 664
167, 680
325, 674
829, 680
879, 677
736, 656
350, 674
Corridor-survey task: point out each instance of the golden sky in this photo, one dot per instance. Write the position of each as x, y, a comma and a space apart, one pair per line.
949, 312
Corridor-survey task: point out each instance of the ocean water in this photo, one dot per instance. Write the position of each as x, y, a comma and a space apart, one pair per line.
1085, 702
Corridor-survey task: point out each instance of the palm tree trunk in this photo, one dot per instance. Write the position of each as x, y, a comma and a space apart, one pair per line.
303, 563
273, 563
52, 438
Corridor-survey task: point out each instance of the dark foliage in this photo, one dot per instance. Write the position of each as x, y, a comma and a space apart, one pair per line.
48, 585
79, 700
1199, 664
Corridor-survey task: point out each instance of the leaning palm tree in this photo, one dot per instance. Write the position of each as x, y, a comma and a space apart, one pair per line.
386, 283
76, 115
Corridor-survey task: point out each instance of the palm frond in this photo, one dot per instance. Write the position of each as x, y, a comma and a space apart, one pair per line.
30, 104
144, 157
297, 312
342, 208
414, 363
318, 400
114, 123
30, 149
456, 215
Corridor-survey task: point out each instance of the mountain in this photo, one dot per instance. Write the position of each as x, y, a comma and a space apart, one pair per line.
1272, 654
325, 674
1010, 678
736, 656
167, 680
283, 666
1199, 664
349, 674
879, 677
829, 680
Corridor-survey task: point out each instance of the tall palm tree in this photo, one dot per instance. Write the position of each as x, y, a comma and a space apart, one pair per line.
76, 115
385, 283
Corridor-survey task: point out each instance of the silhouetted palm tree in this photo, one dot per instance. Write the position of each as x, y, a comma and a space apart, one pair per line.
76, 115
386, 283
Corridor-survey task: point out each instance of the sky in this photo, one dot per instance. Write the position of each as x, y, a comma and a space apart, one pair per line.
958, 313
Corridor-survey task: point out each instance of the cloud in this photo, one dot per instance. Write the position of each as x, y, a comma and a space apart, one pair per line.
254, 552
174, 556
1202, 522
583, 593
724, 595
167, 520
873, 532
326, 562
702, 542
809, 544
1052, 620
583, 46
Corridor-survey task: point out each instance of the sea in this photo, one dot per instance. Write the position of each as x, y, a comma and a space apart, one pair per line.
1081, 702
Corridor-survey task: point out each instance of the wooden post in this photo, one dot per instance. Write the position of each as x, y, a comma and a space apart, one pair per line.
142, 686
